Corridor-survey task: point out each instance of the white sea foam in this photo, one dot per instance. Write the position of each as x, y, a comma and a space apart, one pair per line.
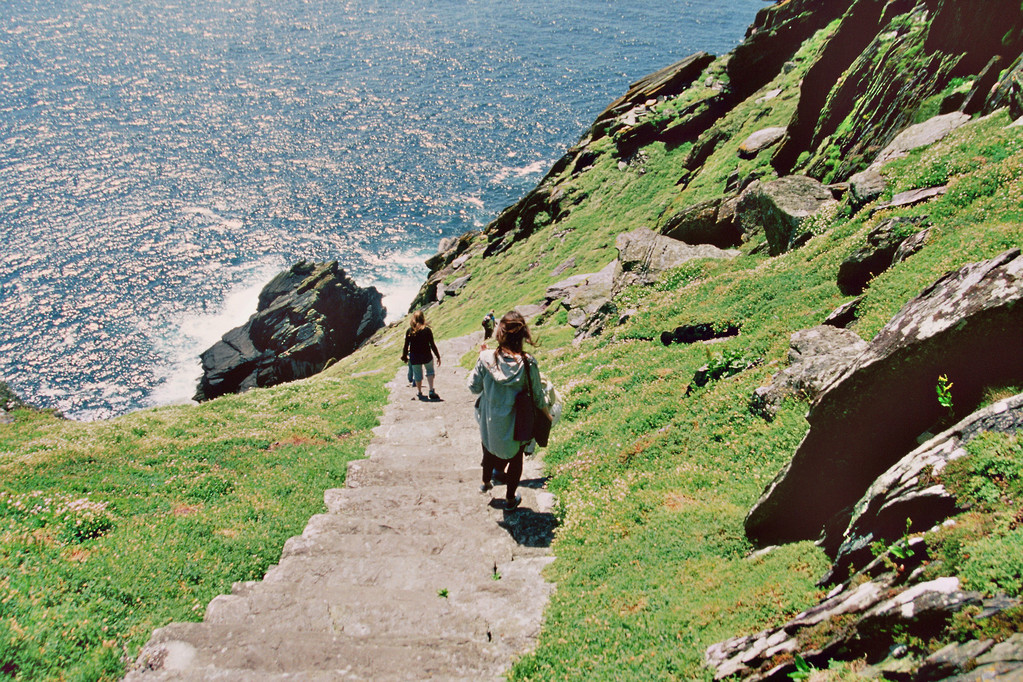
535, 168
475, 202
184, 337
399, 276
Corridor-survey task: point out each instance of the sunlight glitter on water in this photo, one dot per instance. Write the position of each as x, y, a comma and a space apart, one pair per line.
157, 155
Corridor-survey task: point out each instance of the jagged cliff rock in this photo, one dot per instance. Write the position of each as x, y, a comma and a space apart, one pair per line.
882, 63
966, 325
910, 497
306, 317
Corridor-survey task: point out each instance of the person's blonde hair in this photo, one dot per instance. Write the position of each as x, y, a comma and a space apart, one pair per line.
417, 322
512, 331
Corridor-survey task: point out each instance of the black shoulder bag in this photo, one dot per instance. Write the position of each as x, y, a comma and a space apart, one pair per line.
530, 423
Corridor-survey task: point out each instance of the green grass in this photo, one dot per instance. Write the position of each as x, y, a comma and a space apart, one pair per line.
112, 529
653, 476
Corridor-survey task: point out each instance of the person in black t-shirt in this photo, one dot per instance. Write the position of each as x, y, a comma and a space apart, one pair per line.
418, 351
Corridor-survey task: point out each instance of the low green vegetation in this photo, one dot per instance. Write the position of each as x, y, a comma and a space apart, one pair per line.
985, 546
111, 529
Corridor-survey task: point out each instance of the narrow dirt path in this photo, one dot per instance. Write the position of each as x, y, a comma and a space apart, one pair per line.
411, 574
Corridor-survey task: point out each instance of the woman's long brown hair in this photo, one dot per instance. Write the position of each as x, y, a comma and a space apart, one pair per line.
417, 322
512, 332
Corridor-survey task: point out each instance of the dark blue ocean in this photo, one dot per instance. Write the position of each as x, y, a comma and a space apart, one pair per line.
161, 160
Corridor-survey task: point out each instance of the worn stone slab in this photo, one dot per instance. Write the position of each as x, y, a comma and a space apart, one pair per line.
411, 573
336, 654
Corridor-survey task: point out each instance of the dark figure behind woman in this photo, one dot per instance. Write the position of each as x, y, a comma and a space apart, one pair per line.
497, 377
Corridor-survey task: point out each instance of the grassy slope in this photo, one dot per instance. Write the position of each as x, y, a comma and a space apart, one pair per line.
182, 502
653, 483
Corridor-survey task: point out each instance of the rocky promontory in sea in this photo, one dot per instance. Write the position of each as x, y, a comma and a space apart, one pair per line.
307, 317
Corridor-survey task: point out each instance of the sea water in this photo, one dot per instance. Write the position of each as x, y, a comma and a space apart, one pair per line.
161, 160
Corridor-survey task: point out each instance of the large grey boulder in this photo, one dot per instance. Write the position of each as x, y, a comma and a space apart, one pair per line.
878, 255
760, 140
306, 317
920, 135
707, 222
967, 325
866, 186
643, 255
585, 292
912, 489
778, 208
817, 356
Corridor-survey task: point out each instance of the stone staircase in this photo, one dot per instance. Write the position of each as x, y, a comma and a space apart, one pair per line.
411, 574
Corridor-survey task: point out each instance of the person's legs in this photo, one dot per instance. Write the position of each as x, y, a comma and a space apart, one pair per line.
429, 374
513, 476
417, 377
488, 463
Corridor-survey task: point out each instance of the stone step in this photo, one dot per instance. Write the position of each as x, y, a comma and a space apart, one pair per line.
335, 606
206, 648
412, 574
482, 608
396, 470
465, 548
426, 500
525, 532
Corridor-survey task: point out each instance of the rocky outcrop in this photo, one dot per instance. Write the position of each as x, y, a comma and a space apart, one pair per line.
643, 255
11, 401
855, 623
912, 490
883, 597
883, 243
810, 125
967, 326
538, 208
670, 80
451, 255
776, 34
1008, 91
883, 62
306, 317
707, 222
817, 356
778, 208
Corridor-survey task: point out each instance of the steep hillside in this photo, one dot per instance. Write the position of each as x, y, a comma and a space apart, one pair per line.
679, 263
787, 151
